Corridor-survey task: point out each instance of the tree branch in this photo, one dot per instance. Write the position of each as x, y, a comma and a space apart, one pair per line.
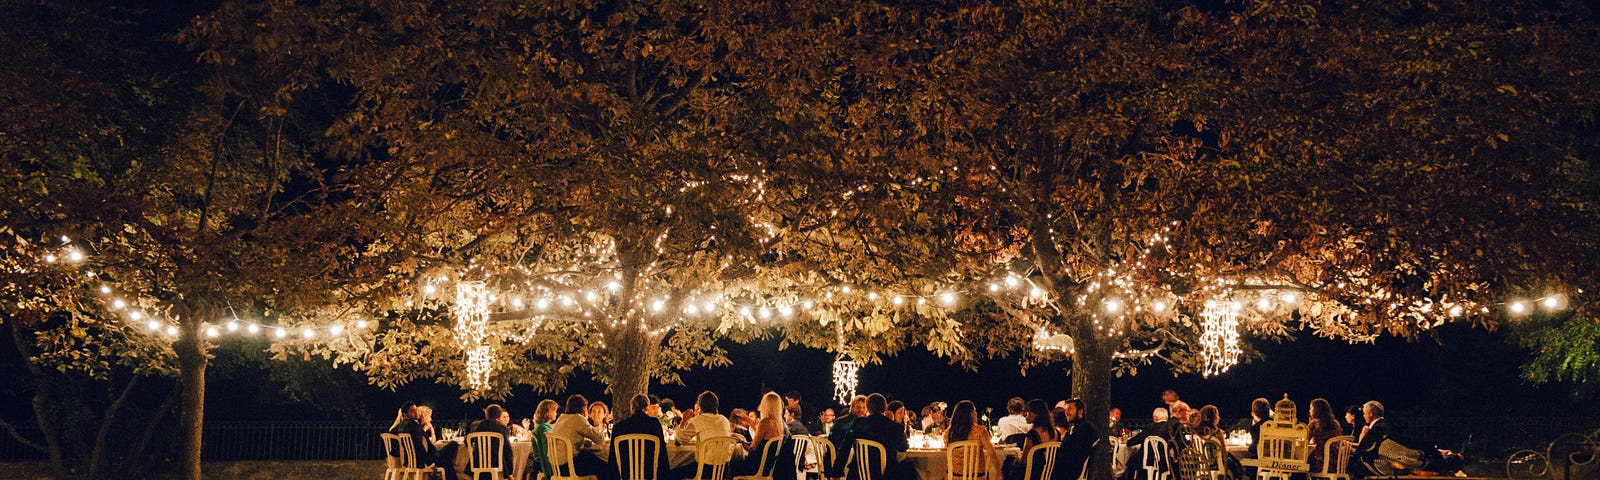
11, 429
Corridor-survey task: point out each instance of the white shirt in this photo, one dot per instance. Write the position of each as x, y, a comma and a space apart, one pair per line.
705, 425
575, 426
1012, 425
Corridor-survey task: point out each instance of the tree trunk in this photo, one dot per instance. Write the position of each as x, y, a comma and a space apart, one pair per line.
97, 456
1091, 382
41, 400
192, 379
137, 456
633, 360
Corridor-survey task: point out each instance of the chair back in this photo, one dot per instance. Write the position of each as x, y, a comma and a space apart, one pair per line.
825, 451
484, 448
862, 457
1216, 466
1336, 453
1156, 460
713, 455
963, 460
391, 450
636, 456
560, 453
1041, 461
769, 457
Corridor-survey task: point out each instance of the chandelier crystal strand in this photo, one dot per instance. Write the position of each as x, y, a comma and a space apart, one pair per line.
1219, 337
845, 380
472, 332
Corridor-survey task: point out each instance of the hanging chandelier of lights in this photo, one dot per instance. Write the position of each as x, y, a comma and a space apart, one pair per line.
1219, 336
472, 332
845, 379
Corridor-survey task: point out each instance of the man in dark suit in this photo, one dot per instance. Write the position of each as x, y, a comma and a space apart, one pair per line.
497, 420
1373, 435
879, 428
840, 435
644, 420
1078, 445
425, 453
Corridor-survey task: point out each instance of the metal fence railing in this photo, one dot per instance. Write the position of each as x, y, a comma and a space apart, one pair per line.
293, 440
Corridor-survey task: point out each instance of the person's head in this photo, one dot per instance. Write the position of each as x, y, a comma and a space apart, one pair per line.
1210, 416
897, 410
826, 416
962, 420
1260, 409
642, 405
1159, 415
667, 405
1038, 414
495, 413
1372, 411
1179, 411
1116, 414
408, 410
771, 406
1169, 396
1352, 415
707, 402
576, 405
1074, 409
425, 414
791, 398
1321, 411
599, 412
876, 404
1016, 405
858, 406
938, 411
1058, 417
739, 416
791, 413
546, 411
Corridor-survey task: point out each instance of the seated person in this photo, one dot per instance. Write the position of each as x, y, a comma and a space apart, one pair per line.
879, 428
407, 423
497, 420
791, 418
643, 421
964, 426
572, 425
1078, 445
1372, 435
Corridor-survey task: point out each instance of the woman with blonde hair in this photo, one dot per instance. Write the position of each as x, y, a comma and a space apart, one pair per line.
425, 417
771, 424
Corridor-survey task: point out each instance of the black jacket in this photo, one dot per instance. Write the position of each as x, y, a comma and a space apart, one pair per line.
1377, 432
419, 440
1077, 446
492, 426
877, 428
648, 425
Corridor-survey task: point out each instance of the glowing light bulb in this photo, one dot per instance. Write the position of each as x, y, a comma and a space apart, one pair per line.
280, 332
658, 305
74, 256
948, 298
1036, 292
1551, 303
806, 305
744, 310
1236, 306
1264, 304
1290, 298
691, 309
1519, 307
709, 307
118, 304
1159, 306
994, 287
765, 313
252, 329
899, 300
589, 296
613, 285
172, 331
233, 326
1455, 311
136, 315
49, 259
211, 332
361, 324
105, 289
429, 289
786, 311
153, 325
516, 302
872, 295
846, 289
336, 329
1012, 281
308, 332
542, 303
1113, 306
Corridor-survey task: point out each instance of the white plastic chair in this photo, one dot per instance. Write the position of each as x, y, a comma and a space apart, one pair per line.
401, 459
1156, 460
642, 451
861, 458
560, 453
713, 455
484, 449
1041, 461
1336, 458
825, 453
971, 455
769, 461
